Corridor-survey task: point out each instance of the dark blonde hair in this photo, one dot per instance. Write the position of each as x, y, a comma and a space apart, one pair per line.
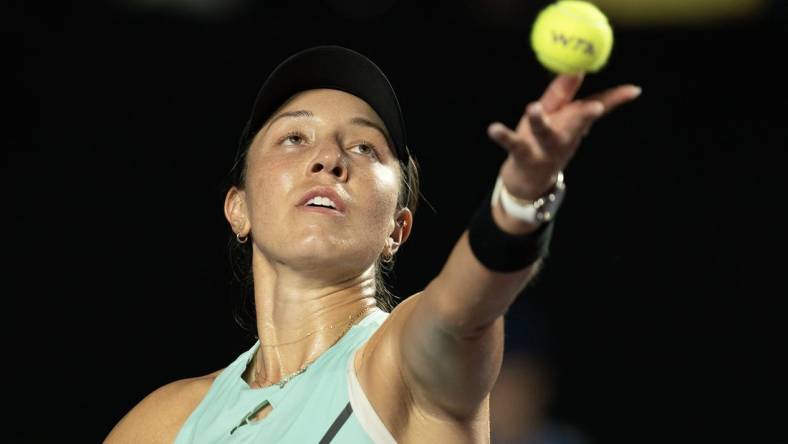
241, 254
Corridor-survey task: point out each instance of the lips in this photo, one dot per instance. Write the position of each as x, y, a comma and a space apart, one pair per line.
323, 192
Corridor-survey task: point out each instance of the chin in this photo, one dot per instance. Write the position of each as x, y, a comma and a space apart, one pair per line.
318, 252
318, 247
315, 246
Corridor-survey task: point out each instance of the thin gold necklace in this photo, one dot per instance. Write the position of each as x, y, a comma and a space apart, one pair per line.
303, 368
301, 339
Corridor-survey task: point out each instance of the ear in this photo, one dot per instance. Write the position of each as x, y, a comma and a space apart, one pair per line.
402, 226
235, 210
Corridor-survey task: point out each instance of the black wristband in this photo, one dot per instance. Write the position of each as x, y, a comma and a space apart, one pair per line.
501, 251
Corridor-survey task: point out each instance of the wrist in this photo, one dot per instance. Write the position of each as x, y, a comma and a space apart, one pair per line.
509, 224
503, 251
531, 212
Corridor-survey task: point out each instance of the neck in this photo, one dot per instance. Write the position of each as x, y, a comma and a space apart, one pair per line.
298, 318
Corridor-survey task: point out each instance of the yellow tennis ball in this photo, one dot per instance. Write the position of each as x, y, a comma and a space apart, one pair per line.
572, 36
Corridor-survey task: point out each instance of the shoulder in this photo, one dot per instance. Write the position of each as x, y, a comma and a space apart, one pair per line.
407, 413
379, 367
386, 351
161, 414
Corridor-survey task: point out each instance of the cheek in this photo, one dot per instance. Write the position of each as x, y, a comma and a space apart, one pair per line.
385, 188
268, 180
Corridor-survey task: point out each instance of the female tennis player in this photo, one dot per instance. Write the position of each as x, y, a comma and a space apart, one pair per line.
323, 195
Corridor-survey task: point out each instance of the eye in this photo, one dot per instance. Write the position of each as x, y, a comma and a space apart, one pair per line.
293, 138
366, 148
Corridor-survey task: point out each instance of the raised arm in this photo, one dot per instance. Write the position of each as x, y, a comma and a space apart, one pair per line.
451, 337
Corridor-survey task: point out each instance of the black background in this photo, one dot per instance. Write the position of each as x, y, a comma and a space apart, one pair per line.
663, 299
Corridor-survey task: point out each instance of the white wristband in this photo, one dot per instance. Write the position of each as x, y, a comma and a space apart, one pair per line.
534, 212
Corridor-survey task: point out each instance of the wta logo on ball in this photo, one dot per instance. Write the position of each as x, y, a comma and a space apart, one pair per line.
574, 43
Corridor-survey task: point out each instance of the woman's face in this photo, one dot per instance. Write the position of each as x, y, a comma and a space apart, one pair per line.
331, 144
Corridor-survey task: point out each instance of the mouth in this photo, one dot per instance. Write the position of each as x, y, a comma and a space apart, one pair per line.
323, 200
324, 210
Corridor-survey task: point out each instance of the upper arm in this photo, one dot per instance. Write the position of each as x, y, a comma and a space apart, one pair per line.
450, 337
445, 372
159, 416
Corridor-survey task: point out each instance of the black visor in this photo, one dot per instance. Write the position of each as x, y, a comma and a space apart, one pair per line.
332, 67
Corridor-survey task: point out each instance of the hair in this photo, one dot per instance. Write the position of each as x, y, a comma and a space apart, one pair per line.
240, 255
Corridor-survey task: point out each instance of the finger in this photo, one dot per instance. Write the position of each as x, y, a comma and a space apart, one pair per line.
615, 97
581, 114
507, 139
540, 125
561, 91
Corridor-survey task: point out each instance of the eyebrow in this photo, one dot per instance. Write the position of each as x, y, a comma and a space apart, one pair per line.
358, 121
300, 113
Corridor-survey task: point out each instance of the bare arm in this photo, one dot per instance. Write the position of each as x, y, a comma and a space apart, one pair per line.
451, 343
452, 354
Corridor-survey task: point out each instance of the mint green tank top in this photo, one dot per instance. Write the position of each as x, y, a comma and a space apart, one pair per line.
324, 404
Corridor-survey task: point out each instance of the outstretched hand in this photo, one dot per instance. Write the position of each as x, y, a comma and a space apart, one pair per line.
549, 133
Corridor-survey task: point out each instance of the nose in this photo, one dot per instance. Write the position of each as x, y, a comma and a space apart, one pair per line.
331, 161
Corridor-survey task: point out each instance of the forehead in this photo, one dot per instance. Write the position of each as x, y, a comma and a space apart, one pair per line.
330, 103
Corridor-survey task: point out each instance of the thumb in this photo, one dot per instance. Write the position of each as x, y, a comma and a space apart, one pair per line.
506, 138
